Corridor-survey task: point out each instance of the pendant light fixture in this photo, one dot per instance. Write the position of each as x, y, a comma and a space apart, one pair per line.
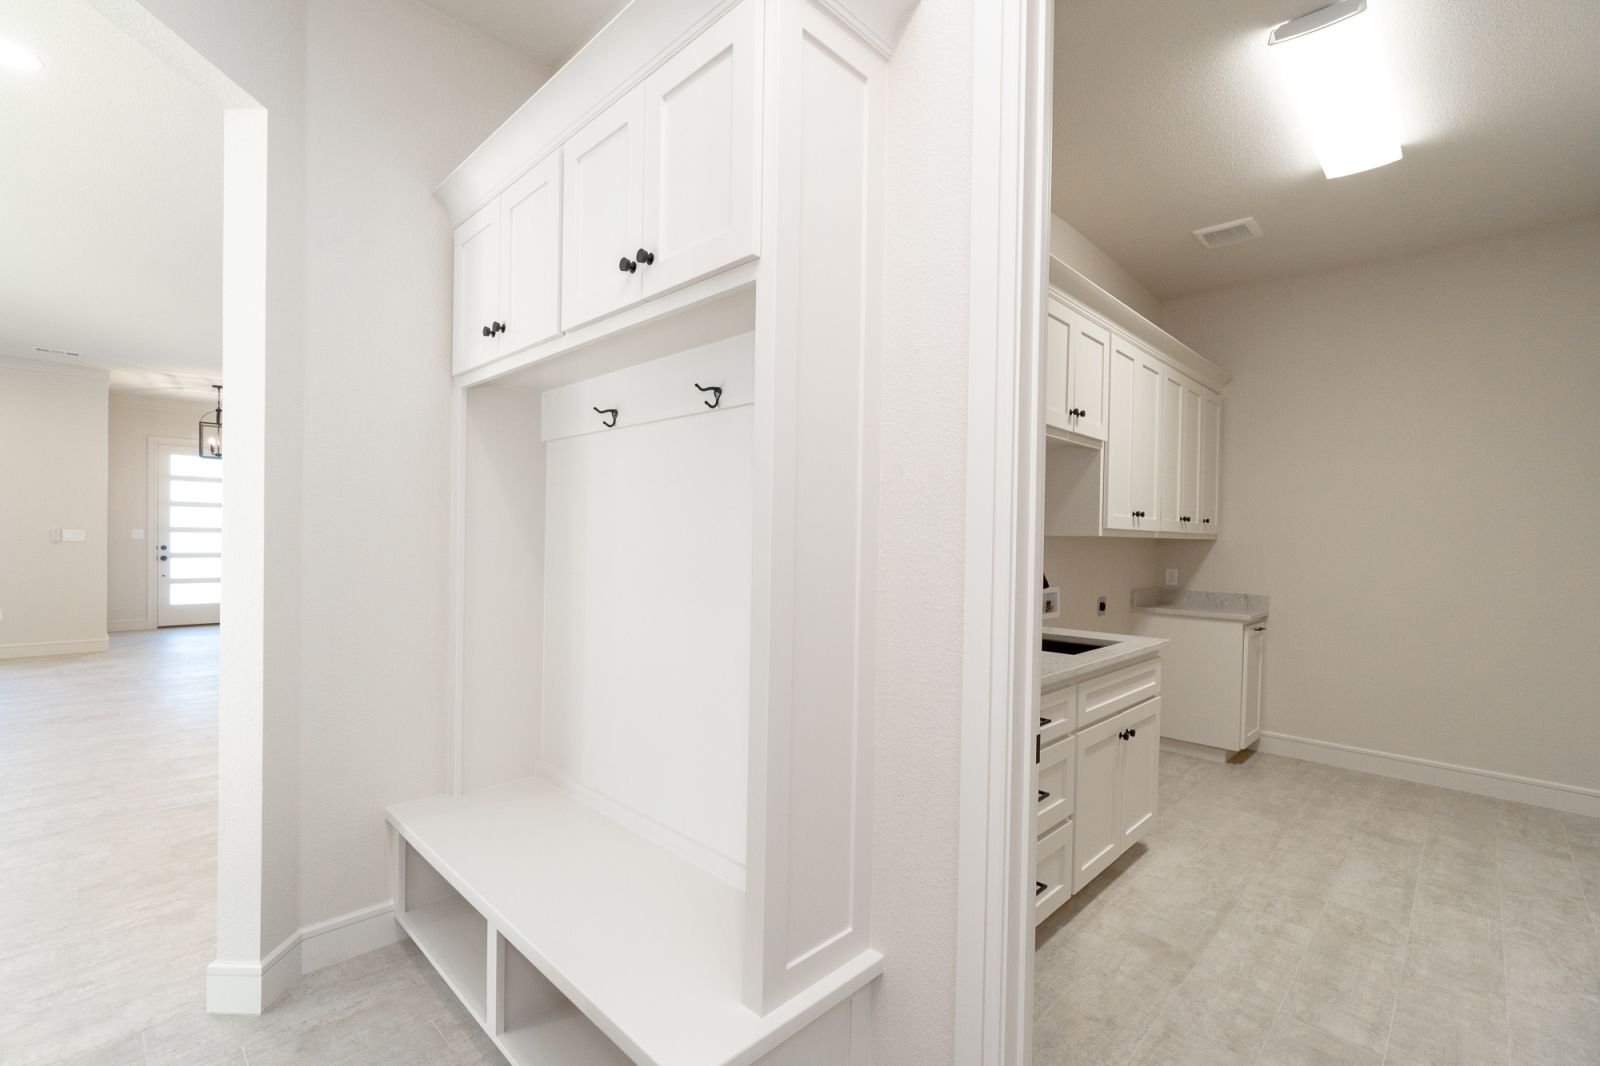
211, 431
1333, 66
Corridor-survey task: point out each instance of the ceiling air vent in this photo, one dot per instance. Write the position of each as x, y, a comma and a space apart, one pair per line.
1220, 236
55, 351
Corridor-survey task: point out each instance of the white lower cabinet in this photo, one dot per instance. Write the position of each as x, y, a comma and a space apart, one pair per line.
1096, 771
1214, 670
1117, 776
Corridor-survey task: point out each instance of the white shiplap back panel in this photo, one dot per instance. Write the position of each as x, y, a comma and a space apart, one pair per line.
647, 628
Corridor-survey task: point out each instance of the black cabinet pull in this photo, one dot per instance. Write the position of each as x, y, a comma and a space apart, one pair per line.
1122, 735
1132, 733
1261, 629
1039, 887
627, 266
1043, 795
487, 332
1036, 747
646, 257
1043, 722
499, 327
1207, 521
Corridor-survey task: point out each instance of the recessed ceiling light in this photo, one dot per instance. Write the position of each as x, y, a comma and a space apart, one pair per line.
15, 57
1334, 67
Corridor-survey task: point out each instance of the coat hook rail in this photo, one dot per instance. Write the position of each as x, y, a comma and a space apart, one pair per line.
714, 390
612, 412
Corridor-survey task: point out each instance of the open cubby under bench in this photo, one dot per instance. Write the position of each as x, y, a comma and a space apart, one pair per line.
573, 939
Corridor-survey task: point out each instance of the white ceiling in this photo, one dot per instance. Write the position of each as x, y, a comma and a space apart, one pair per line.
548, 31
110, 204
1168, 118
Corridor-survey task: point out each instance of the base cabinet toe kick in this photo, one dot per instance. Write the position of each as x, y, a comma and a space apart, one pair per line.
1096, 753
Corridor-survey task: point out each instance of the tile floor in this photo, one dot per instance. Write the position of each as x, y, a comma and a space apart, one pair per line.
1282, 912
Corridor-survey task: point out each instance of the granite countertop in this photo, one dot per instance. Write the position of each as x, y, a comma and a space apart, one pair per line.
1242, 607
1058, 669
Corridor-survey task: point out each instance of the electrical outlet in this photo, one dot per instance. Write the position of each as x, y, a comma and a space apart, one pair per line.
1102, 605
55, 536
1172, 577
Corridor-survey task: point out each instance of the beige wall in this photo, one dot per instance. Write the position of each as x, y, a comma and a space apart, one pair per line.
1086, 568
1086, 257
1410, 470
52, 476
127, 504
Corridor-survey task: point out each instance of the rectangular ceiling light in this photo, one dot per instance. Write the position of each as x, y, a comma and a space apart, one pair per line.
1336, 73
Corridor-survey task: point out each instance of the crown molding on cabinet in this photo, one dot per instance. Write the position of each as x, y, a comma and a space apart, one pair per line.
617, 59
1135, 326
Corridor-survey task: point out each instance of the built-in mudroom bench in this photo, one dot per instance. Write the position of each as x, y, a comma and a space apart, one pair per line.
656, 843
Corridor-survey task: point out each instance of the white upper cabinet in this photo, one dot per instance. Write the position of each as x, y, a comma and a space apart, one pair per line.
477, 289
1178, 471
1210, 467
530, 257
702, 156
1133, 442
1076, 352
603, 178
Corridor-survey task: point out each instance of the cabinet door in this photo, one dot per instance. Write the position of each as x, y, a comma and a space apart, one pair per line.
1119, 449
1052, 782
1146, 442
1097, 837
1255, 662
1210, 472
1091, 347
477, 289
702, 155
1170, 457
1139, 776
530, 257
1057, 379
602, 186
1189, 445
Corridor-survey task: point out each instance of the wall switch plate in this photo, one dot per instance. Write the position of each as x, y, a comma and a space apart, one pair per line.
1172, 577
136, 534
1052, 603
55, 536
73, 535
1102, 605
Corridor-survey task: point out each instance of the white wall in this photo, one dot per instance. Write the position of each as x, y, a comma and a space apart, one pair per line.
922, 507
128, 561
1069, 245
397, 95
370, 103
52, 476
1409, 470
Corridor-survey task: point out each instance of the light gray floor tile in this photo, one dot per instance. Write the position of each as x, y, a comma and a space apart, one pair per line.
1294, 1043
1435, 1024
1561, 1029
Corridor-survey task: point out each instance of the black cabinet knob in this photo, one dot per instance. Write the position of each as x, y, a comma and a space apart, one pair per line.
163, 558
499, 327
487, 332
627, 266
1132, 733
646, 257
1122, 735
1208, 521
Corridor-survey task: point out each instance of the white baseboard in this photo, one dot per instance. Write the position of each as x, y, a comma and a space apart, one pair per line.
54, 647
1573, 799
129, 625
251, 987
1194, 751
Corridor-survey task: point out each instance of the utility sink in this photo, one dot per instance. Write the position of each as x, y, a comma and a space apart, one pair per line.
1066, 646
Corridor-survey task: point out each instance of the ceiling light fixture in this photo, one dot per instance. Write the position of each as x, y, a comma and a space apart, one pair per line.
1334, 67
15, 57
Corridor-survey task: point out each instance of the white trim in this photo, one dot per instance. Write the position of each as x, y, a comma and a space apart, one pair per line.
250, 987
1005, 531
1573, 799
53, 647
152, 518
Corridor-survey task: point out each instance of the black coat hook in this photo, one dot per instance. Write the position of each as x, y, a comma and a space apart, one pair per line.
612, 411
714, 390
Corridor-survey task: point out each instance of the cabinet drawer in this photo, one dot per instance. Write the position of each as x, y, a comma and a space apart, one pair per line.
1058, 712
1053, 780
1052, 880
1110, 693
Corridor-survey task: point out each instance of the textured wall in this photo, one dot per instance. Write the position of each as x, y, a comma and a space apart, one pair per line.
917, 725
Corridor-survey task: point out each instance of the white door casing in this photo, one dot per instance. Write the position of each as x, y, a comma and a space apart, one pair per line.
188, 544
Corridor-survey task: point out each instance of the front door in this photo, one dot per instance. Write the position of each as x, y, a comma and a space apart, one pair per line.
189, 543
